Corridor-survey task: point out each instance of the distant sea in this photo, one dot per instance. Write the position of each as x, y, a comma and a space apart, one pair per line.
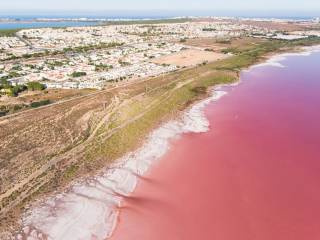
40, 21
17, 21
36, 24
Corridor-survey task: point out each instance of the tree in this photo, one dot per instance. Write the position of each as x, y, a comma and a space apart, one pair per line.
4, 83
14, 91
78, 74
35, 86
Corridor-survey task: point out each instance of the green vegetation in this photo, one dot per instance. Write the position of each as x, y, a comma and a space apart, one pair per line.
156, 21
4, 83
209, 29
16, 68
35, 86
14, 108
220, 72
8, 32
223, 41
78, 74
158, 100
11, 108
70, 172
64, 51
40, 103
55, 64
92, 47
103, 67
123, 63
171, 100
6, 88
12, 91
245, 57
10, 75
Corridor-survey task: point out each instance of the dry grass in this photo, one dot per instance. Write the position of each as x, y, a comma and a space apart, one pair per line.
190, 57
220, 44
45, 149
23, 101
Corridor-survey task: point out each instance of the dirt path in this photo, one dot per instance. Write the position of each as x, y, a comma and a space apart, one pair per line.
113, 107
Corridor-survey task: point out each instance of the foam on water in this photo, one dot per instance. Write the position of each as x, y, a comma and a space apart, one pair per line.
89, 209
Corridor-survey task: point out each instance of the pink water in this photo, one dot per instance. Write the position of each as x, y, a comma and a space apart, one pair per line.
254, 175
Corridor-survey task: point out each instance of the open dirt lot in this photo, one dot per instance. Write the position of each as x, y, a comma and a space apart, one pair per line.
219, 44
190, 57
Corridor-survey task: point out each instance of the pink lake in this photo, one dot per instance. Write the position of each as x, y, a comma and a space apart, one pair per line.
254, 175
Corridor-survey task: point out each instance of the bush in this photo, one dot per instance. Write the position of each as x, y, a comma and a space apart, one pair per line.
208, 29
78, 74
39, 104
13, 91
102, 67
4, 83
223, 41
19, 88
35, 86
200, 90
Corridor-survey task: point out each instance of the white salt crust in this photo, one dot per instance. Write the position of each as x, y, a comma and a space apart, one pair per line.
89, 209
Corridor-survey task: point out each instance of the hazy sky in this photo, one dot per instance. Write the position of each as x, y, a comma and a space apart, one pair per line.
105, 5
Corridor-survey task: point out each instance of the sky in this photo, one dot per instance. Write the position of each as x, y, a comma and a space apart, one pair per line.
188, 6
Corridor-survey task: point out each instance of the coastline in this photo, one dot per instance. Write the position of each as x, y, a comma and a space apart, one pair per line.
120, 180
24, 25
276, 58
240, 178
113, 183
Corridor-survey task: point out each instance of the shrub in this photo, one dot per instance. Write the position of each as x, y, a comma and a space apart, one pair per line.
34, 86
78, 74
40, 103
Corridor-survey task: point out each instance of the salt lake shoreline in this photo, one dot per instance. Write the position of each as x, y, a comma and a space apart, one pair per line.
94, 203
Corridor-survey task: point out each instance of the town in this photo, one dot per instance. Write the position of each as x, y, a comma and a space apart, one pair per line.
92, 57
79, 101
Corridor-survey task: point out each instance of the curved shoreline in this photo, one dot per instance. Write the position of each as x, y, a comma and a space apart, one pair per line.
99, 198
